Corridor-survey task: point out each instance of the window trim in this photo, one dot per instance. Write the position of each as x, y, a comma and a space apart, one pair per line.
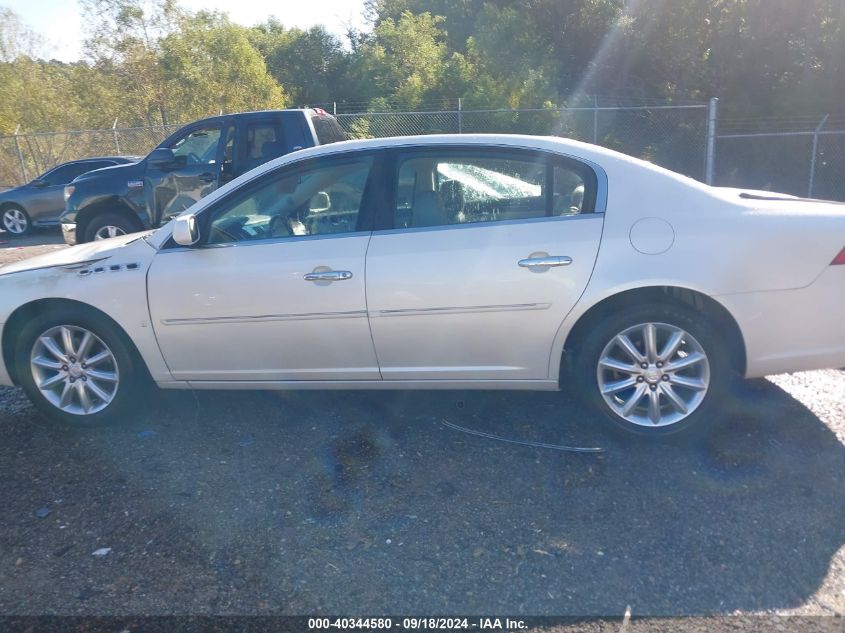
594, 176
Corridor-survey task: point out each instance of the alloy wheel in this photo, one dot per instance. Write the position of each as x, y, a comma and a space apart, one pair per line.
74, 370
105, 232
653, 374
15, 221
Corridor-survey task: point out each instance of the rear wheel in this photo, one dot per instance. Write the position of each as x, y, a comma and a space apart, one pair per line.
106, 225
78, 368
15, 221
654, 370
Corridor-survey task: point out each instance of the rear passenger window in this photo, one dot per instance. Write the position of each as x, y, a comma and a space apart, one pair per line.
264, 142
435, 191
461, 188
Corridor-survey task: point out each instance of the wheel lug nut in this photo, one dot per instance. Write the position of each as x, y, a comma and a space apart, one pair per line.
660, 364
644, 365
84, 378
64, 367
84, 366
666, 378
73, 380
640, 378
652, 387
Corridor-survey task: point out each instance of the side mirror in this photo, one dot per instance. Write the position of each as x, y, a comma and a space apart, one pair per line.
38, 183
185, 230
161, 158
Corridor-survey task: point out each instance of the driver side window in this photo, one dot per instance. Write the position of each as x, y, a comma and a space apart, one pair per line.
321, 200
198, 147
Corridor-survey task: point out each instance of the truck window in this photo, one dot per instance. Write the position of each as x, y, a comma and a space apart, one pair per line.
327, 128
199, 146
264, 141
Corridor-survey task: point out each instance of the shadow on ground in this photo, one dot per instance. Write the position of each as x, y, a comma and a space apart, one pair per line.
364, 503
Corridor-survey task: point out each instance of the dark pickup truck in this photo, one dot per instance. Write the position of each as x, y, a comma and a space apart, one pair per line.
189, 164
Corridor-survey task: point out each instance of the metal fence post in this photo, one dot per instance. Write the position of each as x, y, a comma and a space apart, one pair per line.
460, 116
815, 152
20, 154
595, 119
712, 121
114, 133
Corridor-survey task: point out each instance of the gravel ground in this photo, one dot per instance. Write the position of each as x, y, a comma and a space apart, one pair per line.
366, 503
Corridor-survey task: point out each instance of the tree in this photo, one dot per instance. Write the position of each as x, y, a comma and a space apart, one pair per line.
210, 65
123, 40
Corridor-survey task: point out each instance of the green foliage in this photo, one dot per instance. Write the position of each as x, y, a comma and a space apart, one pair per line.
150, 62
224, 71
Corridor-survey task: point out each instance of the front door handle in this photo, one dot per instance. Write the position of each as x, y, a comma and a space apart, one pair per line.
329, 275
206, 177
545, 262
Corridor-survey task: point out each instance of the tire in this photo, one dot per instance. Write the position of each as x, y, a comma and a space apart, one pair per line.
15, 220
688, 385
105, 225
114, 378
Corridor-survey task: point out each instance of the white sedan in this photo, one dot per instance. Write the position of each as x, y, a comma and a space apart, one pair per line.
441, 262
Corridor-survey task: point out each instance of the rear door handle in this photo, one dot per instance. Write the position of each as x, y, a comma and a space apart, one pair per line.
545, 262
329, 275
207, 177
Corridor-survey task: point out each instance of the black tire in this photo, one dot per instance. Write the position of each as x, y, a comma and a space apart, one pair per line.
12, 208
134, 380
102, 220
722, 374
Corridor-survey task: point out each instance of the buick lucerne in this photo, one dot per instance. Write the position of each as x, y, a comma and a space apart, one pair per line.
441, 262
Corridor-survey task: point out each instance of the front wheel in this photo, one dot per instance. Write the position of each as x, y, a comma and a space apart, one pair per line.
654, 370
16, 221
77, 368
107, 225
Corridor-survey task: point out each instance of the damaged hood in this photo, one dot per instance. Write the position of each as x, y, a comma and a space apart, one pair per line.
76, 256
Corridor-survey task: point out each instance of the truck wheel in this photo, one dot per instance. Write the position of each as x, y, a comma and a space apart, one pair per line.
106, 225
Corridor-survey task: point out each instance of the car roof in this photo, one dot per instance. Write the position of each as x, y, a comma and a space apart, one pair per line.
99, 158
564, 146
223, 117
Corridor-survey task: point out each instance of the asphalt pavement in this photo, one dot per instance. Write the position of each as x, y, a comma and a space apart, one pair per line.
366, 503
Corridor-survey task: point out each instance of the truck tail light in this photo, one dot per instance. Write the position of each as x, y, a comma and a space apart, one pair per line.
839, 260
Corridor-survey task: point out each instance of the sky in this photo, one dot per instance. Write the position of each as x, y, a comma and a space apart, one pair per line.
58, 21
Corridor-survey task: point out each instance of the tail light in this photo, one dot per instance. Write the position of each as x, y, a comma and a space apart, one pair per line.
69, 189
839, 260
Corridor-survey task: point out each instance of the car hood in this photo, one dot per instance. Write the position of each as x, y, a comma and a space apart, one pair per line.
10, 192
127, 169
75, 256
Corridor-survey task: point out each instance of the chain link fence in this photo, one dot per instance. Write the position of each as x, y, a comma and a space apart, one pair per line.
674, 136
804, 156
25, 156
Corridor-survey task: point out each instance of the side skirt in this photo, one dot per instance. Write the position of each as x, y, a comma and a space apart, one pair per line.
515, 385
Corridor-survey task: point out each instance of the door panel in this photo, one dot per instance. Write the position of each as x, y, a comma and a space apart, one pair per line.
246, 311
454, 303
196, 173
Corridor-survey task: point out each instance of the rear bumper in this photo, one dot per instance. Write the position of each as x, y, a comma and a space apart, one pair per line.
69, 232
793, 330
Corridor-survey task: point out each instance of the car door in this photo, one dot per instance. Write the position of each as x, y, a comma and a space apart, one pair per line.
488, 250
275, 291
200, 156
